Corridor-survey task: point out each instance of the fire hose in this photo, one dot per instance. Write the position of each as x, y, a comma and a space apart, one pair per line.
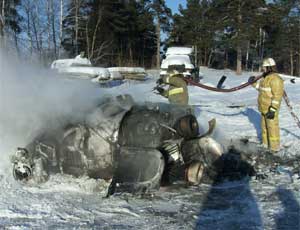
287, 101
236, 88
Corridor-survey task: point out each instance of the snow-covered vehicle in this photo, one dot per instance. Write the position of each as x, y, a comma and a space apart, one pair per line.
81, 67
130, 73
182, 59
135, 147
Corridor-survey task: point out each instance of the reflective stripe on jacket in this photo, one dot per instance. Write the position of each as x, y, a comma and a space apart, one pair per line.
177, 92
271, 90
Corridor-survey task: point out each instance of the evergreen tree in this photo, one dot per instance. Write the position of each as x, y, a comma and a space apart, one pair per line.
113, 32
74, 26
283, 30
194, 26
144, 32
162, 16
106, 20
240, 22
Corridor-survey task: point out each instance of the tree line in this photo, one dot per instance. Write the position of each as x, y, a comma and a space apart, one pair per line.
110, 32
233, 34
239, 34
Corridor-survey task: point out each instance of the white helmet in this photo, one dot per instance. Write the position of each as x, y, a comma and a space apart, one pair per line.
268, 62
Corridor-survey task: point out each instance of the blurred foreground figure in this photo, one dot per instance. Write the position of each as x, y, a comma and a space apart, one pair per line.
135, 147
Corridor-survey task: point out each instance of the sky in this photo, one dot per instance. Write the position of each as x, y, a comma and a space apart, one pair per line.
174, 4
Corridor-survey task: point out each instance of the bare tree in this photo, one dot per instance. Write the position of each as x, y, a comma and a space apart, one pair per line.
158, 44
162, 15
40, 26
238, 46
299, 40
91, 42
96, 51
61, 27
78, 4
51, 28
2, 24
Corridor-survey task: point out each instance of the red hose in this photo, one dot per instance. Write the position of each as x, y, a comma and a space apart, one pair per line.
236, 88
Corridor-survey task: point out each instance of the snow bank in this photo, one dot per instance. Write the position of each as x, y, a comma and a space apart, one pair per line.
127, 69
77, 61
289, 77
89, 72
82, 68
115, 75
132, 73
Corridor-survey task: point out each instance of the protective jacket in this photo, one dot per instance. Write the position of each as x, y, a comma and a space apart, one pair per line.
177, 92
271, 90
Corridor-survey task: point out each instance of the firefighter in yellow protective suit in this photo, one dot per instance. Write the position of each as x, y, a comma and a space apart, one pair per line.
177, 93
270, 90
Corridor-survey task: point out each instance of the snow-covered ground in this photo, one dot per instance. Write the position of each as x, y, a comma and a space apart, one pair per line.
68, 203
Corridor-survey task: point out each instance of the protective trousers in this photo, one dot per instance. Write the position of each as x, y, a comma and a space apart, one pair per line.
270, 132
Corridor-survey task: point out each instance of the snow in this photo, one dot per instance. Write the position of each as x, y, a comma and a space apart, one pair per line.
127, 69
246, 118
91, 72
179, 50
115, 75
65, 202
77, 61
81, 68
177, 60
185, 73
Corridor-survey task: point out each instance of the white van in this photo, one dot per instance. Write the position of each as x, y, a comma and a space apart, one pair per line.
180, 58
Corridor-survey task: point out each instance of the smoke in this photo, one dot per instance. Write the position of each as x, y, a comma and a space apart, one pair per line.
203, 121
33, 99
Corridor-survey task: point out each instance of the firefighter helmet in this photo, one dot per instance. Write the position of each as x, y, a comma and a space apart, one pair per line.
268, 62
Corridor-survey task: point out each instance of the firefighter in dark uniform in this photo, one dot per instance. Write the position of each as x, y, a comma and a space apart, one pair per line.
177, 93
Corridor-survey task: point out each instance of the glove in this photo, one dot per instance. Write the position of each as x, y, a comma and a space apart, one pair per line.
160, 90
251, 79
159, 81
271, 113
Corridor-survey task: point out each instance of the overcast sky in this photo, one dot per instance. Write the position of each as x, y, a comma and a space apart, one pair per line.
174, 4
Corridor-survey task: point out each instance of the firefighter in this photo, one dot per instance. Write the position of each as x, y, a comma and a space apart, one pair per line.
177, 93
270, 90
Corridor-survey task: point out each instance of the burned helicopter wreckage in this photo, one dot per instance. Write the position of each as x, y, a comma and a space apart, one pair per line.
135, 147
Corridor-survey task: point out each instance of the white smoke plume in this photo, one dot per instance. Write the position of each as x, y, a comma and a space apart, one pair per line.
33, 99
